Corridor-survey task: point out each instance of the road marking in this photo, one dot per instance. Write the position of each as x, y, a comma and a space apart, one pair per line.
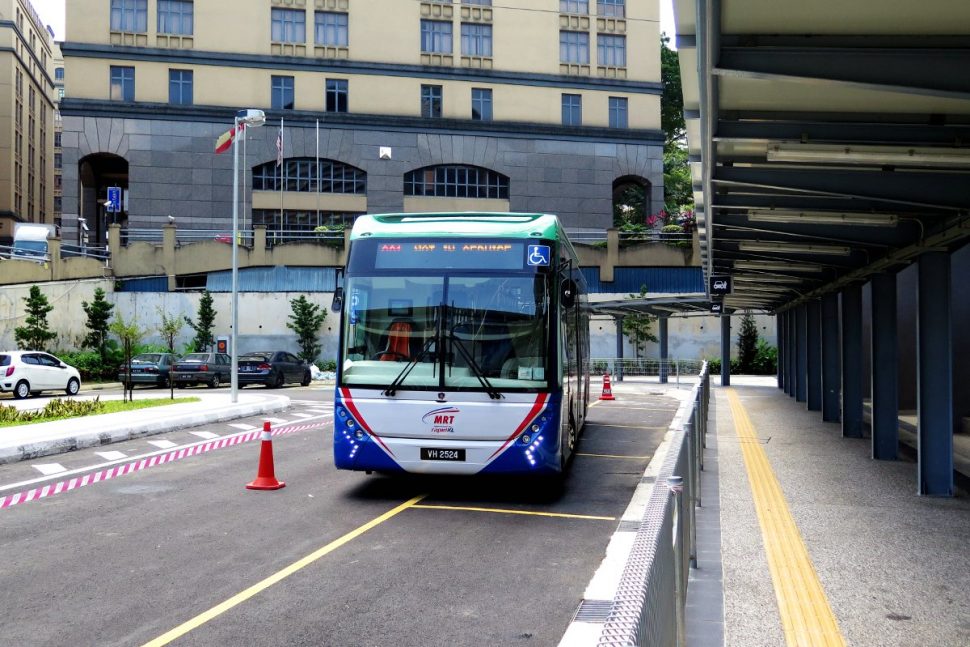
205, 435
241, 597
49, 468
163, 444
806, 616
276, 421
648, 456
112, 456
242, 425
302, 415
603, 424
506, 511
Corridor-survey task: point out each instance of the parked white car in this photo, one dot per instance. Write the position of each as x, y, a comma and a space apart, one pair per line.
28, 372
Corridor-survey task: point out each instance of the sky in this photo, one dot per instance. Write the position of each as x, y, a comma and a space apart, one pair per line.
52, 13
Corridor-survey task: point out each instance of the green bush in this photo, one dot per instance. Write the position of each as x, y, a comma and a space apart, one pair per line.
328, 365
56, 408
87, 362
765, 362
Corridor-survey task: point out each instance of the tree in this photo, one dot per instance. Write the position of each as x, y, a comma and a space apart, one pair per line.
169, 329
305, 322
129, 334
203, 340
35, 334
637, 327
672, 100
747, 344
99, 318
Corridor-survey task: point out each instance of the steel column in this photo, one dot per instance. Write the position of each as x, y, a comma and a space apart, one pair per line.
852, 361
790, 353
618, 369
831, 371
662, 329
885, 368
725, 350
779, 364
935, 375
801, 357
814, 361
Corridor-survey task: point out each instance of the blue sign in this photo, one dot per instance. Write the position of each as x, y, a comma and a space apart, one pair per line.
113, 205
538, 255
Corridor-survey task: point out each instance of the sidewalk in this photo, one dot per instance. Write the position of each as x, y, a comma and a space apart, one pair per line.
25, 442
892, 566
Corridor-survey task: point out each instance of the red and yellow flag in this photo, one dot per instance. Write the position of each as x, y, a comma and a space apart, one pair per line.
225, 139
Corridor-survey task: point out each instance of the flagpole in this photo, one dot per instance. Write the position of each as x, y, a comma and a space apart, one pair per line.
282, 176
318, 171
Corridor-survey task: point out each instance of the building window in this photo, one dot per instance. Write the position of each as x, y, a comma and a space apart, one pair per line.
180, 87
476, 40
483, 3
57, 139
435, 37
129, 15
122, 83
481, 104
574, 47
58, 73
574, 6
330, 29
337, 95
611, 50
289, 26
431, 101
572, 110
58, 160
611, 8
618, 112
282, 93
308, 175
175, 17
456, 181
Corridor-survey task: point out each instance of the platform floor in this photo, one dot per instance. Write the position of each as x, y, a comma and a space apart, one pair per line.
844, 551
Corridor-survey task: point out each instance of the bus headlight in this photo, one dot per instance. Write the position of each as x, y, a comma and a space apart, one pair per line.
359, 434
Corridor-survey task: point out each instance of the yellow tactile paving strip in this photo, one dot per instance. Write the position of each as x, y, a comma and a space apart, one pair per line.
806, 617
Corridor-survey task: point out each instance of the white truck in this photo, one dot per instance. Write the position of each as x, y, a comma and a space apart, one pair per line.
30, 240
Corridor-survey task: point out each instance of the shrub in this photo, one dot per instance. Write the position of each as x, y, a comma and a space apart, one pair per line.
328, 365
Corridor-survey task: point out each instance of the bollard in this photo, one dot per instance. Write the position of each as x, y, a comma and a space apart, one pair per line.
676, 486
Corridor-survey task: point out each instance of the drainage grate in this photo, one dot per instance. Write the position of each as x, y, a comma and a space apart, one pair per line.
628, 526
593, 611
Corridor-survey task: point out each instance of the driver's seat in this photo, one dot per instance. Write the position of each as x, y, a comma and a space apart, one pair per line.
398, 342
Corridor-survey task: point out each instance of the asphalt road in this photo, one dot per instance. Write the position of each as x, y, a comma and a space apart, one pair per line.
183, 552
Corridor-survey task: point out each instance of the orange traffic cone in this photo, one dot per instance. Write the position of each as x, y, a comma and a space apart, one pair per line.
265, 478
607, 389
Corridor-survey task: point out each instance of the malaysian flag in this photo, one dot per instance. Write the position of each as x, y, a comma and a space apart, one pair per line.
279, 145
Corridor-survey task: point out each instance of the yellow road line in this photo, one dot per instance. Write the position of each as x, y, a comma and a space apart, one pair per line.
505, 511
806, 617
613, 456
241, 597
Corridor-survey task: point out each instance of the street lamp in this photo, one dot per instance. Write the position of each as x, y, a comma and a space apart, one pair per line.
248, 119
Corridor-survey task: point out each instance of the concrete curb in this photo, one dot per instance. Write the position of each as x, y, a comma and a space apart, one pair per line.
119, 427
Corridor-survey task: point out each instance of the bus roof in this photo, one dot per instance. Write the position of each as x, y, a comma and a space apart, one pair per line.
504, 224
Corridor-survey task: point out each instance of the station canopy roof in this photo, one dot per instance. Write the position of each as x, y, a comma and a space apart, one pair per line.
828, 140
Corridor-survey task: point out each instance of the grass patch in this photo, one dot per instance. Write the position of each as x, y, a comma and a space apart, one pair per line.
65, 409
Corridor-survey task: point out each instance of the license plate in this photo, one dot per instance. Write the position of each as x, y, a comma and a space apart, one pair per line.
186, 376
435, 454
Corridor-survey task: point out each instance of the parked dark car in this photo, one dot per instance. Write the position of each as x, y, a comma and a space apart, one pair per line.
273, 369
149, 368
202, 368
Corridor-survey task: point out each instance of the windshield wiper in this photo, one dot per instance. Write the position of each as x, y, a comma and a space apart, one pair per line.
403, 375
476, 369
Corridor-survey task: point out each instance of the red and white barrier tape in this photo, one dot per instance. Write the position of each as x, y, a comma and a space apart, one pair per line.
10, 500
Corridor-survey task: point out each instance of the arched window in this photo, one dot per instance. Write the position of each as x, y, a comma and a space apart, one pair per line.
456, 181
309, 175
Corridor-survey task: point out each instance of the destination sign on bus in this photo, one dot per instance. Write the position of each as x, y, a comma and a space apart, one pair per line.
452, 254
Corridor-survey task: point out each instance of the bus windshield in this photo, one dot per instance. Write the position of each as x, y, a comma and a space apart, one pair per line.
454, 331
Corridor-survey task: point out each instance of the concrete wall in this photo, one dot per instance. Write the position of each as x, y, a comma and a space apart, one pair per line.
694, 337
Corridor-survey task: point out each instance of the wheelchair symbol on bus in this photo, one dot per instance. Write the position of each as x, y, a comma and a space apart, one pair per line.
538, 255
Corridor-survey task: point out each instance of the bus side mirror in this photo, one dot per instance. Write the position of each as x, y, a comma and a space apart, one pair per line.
567, 293
338, 300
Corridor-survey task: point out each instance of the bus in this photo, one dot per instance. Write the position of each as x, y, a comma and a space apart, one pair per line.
464, 345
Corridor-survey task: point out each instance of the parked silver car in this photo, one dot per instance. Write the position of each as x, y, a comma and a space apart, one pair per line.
28, 372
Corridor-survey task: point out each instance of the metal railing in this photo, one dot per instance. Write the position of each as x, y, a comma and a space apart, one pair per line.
649, 606
273, 236
625, 237
85, 251
666, 370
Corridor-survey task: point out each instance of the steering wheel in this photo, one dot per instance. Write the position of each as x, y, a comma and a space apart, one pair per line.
396, 357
